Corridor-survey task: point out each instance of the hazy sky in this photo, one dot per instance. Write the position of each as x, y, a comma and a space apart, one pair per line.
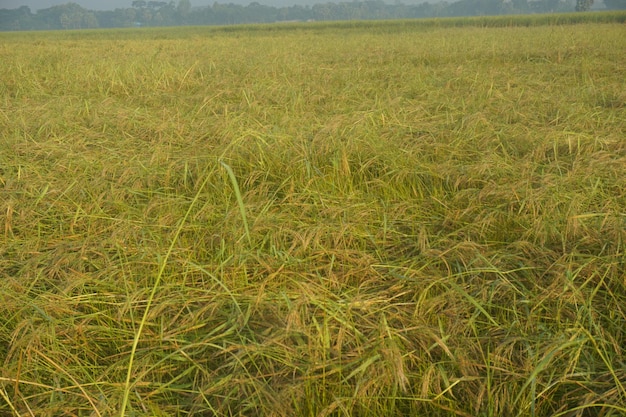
113, 4
42, 4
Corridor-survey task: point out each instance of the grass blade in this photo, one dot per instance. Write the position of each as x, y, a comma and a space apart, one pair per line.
242, 208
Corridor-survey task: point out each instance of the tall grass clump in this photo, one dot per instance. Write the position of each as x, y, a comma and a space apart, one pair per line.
314, 221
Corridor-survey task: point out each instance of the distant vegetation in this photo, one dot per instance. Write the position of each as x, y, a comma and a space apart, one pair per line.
160, 13
399, 218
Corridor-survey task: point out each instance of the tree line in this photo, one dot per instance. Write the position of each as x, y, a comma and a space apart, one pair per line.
161, 13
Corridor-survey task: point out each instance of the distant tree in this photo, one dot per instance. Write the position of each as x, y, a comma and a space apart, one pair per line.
65, 16
180, 12
168, 15
520, 6
295, 12
65, 21
146, 17
156, 4
184, 7
549, 6
17, 19
615, 4
256, 12
90, 20
158, 19
583, 5
129, 16
323, 11
224, 14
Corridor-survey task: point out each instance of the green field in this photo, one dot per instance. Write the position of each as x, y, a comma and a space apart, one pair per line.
350, 219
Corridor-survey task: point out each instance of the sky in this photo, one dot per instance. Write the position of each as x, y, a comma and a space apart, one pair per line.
113, 4
42, 4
